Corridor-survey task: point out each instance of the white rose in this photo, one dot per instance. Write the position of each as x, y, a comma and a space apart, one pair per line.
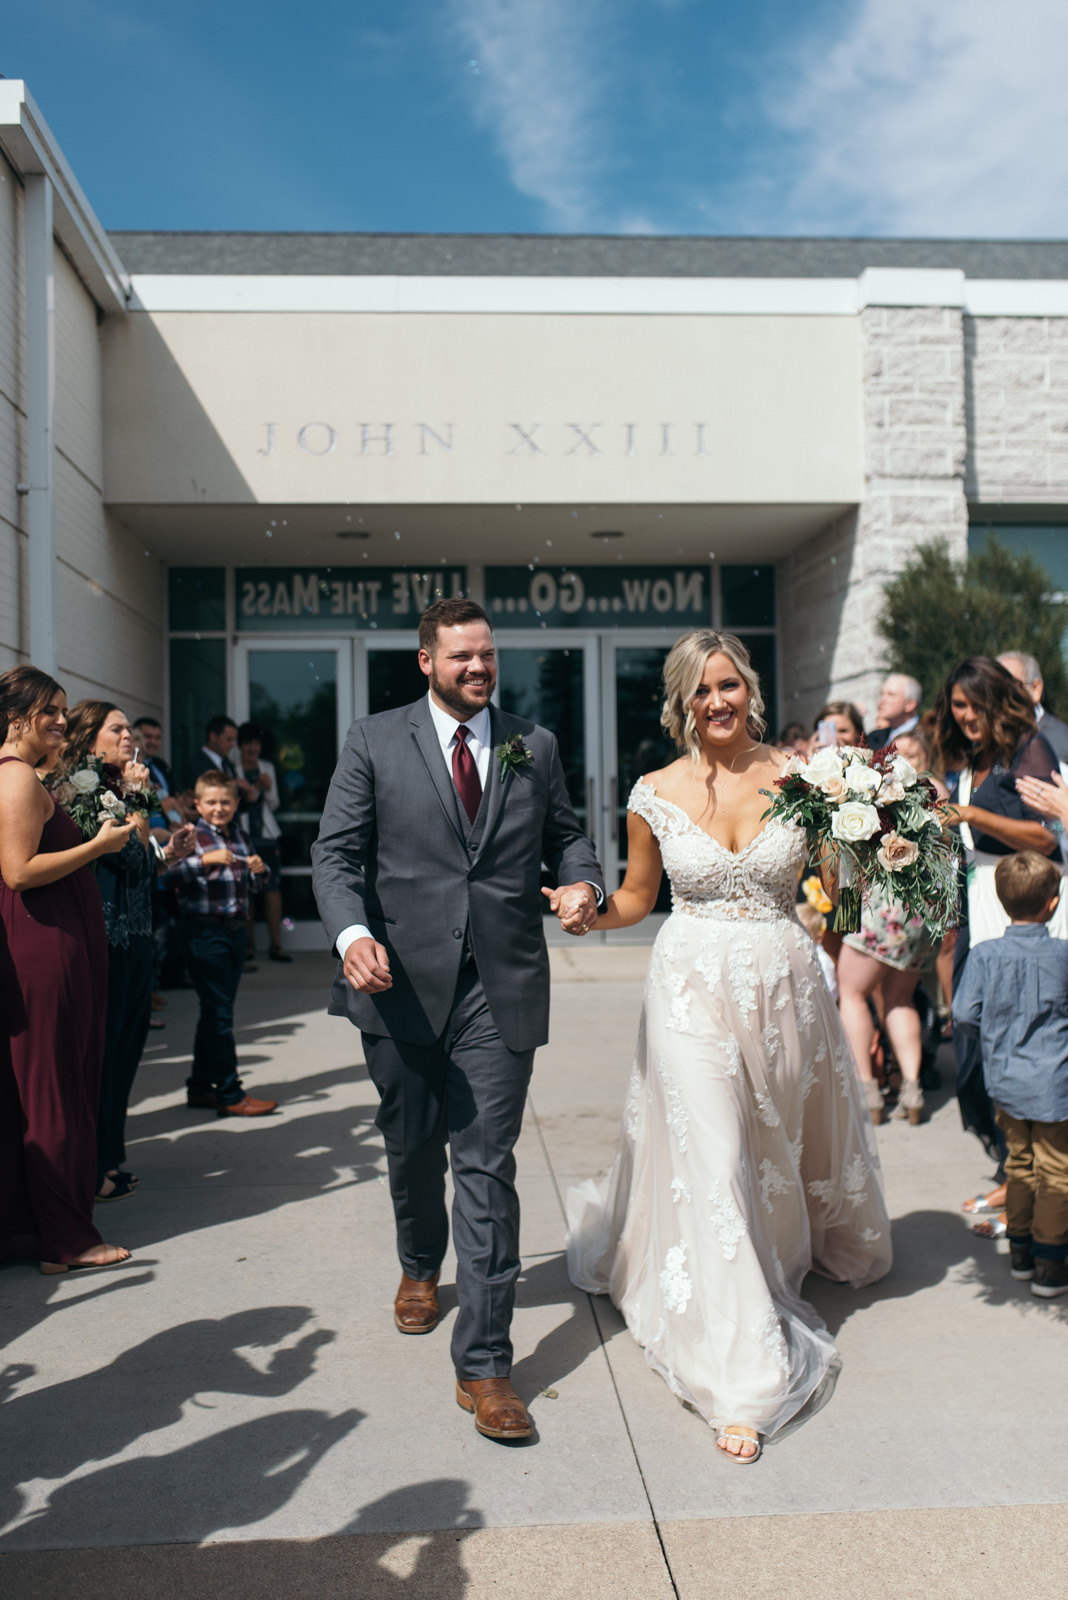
861, 752
891, 791
112, 803
63, 794
836, 790
794, 768
854, 821
861, 779
826, 763
84, 781
904, 772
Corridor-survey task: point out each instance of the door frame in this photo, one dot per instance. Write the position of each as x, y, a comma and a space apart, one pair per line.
304, 935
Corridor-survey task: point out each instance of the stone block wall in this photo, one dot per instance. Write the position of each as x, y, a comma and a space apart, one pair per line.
830, 590
1017, 394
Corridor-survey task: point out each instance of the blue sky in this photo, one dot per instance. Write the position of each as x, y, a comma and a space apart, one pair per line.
899, 117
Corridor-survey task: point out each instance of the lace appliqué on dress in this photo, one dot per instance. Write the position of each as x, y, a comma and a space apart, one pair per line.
680, 1189
675, 1283
677, 1116
727, 1221
772, 1182
768, 1332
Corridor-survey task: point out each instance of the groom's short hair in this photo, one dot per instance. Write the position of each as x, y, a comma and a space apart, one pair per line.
450, 613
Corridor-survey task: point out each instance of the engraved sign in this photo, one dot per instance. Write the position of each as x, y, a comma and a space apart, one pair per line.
332, 599
602, 597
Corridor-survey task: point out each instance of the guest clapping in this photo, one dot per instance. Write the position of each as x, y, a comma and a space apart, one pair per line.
125, 882
53, 987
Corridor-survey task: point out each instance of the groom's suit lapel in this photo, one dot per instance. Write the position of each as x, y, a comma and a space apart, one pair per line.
426, 739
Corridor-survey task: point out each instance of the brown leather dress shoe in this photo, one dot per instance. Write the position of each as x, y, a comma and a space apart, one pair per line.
248, 1107
499, 1413
415, 1310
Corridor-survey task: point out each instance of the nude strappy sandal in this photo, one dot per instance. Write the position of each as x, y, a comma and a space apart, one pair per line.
732, 1433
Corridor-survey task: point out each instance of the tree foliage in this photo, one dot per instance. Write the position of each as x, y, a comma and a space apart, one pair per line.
937, 611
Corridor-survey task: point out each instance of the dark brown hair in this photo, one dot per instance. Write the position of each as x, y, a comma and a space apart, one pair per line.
1026, 883
843, 708
25, 692
84, 722
1003, 706
450, 613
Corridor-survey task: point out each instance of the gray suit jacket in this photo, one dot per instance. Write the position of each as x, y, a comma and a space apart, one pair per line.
396, 853
1055, 733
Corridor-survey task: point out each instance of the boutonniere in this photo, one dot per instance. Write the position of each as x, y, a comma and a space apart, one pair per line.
513, 755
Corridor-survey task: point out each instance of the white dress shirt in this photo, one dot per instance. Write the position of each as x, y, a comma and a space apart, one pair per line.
479, 742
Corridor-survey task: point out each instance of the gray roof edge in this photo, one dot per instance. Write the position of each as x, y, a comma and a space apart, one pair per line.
575, 255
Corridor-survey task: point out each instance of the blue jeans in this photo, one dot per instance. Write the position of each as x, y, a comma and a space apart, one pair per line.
214, 951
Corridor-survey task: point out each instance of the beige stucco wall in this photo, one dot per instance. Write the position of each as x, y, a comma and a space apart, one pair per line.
210, 407
109, 594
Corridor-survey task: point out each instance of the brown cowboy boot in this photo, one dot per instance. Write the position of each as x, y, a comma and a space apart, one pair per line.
499, 1413
415, 1310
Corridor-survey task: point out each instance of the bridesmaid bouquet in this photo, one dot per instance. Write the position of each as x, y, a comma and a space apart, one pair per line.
96, 790
877, 819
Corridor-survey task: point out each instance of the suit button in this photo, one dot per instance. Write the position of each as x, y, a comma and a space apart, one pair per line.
457, 933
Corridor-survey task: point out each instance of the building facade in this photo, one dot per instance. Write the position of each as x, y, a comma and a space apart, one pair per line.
234, 469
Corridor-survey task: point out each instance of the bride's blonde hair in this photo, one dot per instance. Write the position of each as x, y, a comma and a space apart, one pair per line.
683, 671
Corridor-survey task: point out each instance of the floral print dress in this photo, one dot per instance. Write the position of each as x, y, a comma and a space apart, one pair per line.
887, 934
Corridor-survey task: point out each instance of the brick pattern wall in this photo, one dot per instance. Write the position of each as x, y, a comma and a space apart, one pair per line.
915, 449
1017, 385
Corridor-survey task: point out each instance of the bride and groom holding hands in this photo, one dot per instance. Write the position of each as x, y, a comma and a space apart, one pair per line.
746, 1156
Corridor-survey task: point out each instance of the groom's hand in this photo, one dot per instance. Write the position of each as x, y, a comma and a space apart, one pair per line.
366, 966
576, 906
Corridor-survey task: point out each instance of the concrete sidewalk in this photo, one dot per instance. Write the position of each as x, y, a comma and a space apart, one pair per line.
234, 1413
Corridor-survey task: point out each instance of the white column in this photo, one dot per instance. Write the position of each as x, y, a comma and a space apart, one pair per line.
41, 409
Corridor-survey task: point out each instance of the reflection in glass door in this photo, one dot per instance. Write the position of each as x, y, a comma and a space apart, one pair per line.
641, 744
301, 697
548, 685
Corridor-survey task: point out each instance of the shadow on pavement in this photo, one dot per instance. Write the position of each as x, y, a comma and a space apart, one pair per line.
49, 1433
928, 1245
383, 1554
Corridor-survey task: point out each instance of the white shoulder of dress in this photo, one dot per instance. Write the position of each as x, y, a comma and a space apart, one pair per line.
647, 804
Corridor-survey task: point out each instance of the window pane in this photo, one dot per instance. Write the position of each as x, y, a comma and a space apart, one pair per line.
641, 744
197, 598
393, 679
547, 687
748, 595
761, 647
198, 693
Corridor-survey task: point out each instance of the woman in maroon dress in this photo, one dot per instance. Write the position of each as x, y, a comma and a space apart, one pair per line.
53, 987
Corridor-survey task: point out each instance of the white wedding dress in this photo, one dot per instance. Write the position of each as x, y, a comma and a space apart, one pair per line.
747, 1157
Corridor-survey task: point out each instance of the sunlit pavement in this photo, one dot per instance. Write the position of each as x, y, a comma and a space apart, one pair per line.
234, 1414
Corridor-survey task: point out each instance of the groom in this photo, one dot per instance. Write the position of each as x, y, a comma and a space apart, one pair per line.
427, 875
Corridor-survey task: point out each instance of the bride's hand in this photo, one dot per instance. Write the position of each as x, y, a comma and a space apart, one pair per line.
576, 907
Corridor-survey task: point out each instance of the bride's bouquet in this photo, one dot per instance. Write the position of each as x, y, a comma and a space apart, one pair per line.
876, 818
95, 790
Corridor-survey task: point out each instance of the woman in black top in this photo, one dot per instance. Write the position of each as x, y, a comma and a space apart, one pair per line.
985, 727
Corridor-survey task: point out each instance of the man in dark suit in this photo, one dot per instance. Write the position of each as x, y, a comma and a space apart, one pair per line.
898, 710
1026, 670
427, 876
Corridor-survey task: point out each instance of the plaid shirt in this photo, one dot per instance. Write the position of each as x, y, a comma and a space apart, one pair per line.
216, 891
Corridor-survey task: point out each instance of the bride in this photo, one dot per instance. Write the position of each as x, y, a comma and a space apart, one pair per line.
746, 1156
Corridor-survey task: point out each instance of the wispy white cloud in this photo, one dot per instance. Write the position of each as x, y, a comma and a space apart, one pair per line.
933, 117
538, 80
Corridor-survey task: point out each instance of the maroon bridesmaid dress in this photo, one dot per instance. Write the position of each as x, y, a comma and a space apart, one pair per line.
53, 990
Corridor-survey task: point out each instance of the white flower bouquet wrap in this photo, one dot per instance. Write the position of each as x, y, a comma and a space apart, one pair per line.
875, 818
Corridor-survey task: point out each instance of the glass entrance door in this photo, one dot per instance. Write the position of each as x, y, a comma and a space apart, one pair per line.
556, 685
633, 740
300, 694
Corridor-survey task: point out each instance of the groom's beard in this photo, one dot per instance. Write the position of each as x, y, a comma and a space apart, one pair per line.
462, 699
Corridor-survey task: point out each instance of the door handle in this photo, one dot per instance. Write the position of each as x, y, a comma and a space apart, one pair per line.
614, 809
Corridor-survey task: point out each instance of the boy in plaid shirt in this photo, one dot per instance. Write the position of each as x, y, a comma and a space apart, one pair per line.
212, 887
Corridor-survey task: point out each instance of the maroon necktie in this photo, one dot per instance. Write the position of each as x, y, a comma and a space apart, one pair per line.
465, 774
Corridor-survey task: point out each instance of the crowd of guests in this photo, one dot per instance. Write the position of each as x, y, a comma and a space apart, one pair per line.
999, 759
80, 911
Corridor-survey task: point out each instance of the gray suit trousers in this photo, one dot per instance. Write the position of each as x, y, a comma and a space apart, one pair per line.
464, 1093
